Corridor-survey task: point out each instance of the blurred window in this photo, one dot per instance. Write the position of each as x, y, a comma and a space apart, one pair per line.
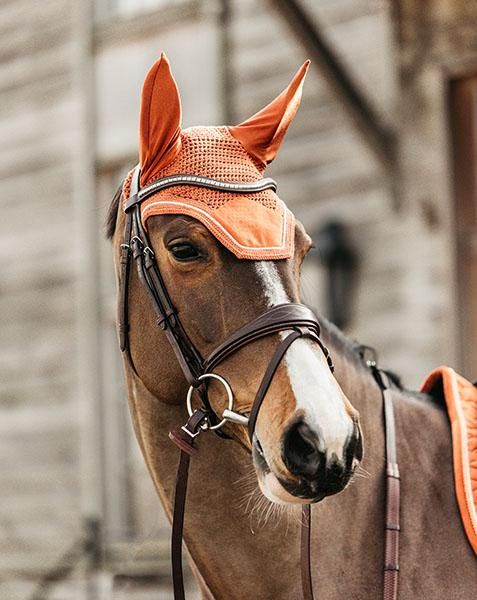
134, 7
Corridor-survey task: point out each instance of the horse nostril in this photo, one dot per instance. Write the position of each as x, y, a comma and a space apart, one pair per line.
354, 448
301, 454
335, 468
359, 445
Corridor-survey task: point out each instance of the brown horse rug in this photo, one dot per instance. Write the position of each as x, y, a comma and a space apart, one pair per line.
460, 397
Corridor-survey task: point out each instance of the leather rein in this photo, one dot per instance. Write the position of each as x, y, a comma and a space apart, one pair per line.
297, 319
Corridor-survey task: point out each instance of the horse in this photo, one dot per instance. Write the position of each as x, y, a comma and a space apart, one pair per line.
242, 524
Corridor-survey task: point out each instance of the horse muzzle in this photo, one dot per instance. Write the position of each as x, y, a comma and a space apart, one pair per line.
311, 472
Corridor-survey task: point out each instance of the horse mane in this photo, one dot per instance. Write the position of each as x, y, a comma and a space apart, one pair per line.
112, 215
353, 350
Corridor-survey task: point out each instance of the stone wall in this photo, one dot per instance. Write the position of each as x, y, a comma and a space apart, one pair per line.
39, 486
437, 43
406, 291
405, 298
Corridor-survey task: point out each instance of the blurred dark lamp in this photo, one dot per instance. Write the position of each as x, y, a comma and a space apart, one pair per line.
338, 257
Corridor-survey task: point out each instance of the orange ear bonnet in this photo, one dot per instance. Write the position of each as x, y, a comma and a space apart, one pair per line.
253, 225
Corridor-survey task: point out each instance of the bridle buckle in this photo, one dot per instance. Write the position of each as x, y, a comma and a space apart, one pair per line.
191, 433
228, 414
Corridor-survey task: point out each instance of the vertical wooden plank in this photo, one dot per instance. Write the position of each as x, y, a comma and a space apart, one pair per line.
88, 363
463, 121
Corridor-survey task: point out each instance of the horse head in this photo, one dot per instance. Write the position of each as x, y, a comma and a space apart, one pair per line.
225, 258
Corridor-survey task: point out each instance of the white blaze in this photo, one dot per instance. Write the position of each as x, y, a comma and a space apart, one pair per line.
314, 387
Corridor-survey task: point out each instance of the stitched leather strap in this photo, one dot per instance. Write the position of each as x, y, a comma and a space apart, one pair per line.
236, 187
392, 525
185, 441
125, 263
277, 318
305, 551
137, 247
267, 379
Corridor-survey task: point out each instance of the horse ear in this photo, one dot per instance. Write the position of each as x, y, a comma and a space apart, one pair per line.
262, 134
160, 120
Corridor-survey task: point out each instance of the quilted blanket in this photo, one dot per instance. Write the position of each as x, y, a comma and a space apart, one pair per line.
460, 398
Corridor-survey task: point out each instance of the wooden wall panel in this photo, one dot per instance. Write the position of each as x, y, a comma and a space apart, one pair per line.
39, 487
463, 120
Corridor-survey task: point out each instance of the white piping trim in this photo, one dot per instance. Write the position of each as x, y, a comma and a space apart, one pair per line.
465, 455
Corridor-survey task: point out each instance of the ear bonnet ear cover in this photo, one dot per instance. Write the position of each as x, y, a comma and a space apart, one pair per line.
255, 225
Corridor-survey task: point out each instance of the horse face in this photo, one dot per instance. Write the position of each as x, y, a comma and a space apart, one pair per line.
307, 441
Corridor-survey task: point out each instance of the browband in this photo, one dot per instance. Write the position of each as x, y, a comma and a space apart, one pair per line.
251, 187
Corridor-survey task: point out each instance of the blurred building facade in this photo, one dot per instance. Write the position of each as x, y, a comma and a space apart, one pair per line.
70, 80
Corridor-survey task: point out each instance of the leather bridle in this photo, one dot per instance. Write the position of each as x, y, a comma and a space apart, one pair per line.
296, 319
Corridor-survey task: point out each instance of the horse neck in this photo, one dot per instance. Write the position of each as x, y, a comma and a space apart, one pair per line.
220, 536
237, 558
215, 517
427, 495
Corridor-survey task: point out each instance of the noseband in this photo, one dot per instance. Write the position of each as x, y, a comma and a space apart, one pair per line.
296, 319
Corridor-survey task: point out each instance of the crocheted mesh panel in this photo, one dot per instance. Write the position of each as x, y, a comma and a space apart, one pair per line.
127, 185
211, 152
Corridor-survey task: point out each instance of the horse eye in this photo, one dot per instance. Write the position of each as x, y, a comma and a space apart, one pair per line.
184, 252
